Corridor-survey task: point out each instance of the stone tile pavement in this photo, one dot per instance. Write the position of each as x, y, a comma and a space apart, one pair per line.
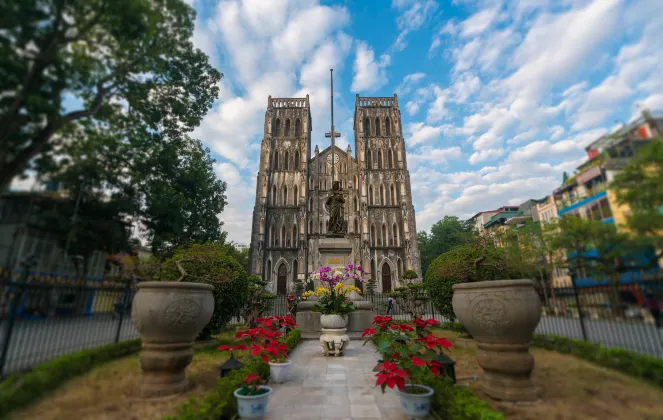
333, 387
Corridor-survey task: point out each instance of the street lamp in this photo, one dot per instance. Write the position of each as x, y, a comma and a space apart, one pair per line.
230, 365
449, 365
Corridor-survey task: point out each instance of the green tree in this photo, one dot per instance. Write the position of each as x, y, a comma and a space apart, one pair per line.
640, 186
479, 260
444, 235
209, 263
411, 297
108, 55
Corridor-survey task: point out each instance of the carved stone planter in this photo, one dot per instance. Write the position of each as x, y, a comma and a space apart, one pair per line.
501, 316
169, 316
333, 321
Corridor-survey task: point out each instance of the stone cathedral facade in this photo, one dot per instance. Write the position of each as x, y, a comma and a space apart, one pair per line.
290, 215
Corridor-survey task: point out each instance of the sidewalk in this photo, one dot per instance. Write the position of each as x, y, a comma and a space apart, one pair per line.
333, 387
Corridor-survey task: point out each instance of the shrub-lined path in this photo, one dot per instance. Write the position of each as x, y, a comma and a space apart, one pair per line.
333, 387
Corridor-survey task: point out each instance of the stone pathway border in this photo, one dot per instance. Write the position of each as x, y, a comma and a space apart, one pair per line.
333, 387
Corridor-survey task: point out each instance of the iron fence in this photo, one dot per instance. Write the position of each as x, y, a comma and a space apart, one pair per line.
39, 322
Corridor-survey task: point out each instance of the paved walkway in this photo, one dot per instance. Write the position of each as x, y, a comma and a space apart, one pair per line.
333, 387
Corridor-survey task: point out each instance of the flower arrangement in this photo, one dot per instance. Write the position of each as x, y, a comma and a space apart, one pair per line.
408, 349
264, 340
332, 296
252, 386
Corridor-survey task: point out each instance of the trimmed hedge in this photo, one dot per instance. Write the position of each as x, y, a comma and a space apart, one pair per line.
221, 403
637, 365
21, 389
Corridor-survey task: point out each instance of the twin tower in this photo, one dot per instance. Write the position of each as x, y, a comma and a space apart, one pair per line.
290, 216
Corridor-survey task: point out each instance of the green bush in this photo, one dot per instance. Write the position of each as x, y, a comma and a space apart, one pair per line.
637, 365
22, 389
221, 403
457, 402
457, 266
209, 263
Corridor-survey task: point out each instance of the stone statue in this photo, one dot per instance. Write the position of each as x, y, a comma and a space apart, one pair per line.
337, 222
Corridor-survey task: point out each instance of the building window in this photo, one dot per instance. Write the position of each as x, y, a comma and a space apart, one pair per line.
286, 160
356, 226
370, 195
377, 127
356, 204
287, 127
387, 126
369, 160
277, 127
296, 165
298, 127
380, 160
367, 127
605, 208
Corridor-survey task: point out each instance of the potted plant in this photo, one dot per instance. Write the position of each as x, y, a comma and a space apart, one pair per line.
333, 302
408, 350
501, 316
264, 341
252, 398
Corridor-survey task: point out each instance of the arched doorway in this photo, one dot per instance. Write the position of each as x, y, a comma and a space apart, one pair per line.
282, 282
386, 278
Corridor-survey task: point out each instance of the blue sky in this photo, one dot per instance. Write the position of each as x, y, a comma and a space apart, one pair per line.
498, 98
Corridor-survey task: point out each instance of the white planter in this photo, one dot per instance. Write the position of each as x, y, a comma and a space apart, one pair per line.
416, 406
252, 406
333, 321
279, 372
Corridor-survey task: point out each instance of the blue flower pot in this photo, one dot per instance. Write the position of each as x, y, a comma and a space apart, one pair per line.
415, 406
252, 406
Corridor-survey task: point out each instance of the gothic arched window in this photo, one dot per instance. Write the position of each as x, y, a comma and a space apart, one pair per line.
283, 236
271, 235
369, 159
286, 161
356, 226
298, 127
296, 165
394, 239
310, 206
393, 195
287, 127
356, 204
384, 235
295, 268
390, 160
367, 127
377, 127
373, 239
382, 201
277, 128
274, 196
294, 236
370, 195
276, 160
285, 196
296, 196
387, 126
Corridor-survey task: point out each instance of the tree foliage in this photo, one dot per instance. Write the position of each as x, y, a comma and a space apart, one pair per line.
640, 186
411, 297
208, 263
476, 261
444, 235
259, 300
100, 53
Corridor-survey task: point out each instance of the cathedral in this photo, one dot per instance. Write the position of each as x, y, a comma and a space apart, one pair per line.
291, 214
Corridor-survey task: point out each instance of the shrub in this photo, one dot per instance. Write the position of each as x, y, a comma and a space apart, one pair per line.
412, 296
22, 389
221, 403
258, 300
209, 263
458, 266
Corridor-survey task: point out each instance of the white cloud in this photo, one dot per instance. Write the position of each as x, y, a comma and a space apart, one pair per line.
412, 19
412, 108
408, 83
369, 74
478, 22
435, 156
486, 154
437, 110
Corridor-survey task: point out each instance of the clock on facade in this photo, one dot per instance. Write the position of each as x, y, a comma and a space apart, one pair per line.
336, 158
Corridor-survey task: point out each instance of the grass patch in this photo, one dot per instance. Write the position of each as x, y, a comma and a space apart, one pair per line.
571, 388
108, 391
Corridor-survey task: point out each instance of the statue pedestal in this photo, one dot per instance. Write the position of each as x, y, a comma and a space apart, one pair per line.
308, 321
333, 341
334, 251
361, 318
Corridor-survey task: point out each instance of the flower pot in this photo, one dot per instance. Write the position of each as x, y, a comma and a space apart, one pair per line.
252, 406
501, 316
333, 321
169, 316
415, 406
279, 372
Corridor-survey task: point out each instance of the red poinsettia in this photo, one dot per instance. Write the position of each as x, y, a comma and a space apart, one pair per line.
264, 339
224, 347
402, 327
368, 331
431, 341
390, 375
382, 321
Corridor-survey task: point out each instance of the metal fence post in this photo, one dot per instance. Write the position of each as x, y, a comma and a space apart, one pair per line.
573, 272
11, 319
125, 296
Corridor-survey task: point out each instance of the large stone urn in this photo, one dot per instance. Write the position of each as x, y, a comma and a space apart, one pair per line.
501, 316
169, 316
